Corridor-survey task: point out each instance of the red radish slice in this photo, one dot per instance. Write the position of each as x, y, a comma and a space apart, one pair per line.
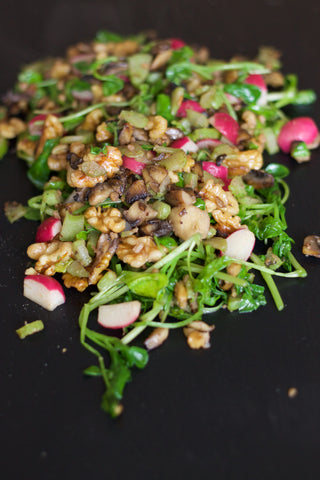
209, 143
189, 105
83, 96
48, 229
185, 144
240, 244
258, 81
119, 315
217, 171
226, 125
302, 129
133, 164
176, 43
45, 291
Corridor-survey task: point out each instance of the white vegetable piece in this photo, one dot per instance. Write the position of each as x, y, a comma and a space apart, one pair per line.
45, 291
240, 244
185, 144
119, 315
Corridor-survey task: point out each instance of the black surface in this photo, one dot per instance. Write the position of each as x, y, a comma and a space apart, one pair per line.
222, 413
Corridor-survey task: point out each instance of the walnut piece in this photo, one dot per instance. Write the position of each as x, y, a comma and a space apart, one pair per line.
251, 159
92, 120
223, 205
198, 334
106, 220
52, 128
49, 254
106, 247
102, 133
109, 161
157, 127
11, 128
156, 338
80, 283
57, 161
137, 251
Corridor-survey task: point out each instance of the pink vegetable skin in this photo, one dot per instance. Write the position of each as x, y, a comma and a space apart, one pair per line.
189, 105
226, 125
258, 81
176, 43
209, 143
218, 172
45, 291
301, 129
48, 229
133, 164
119, 315
185, 144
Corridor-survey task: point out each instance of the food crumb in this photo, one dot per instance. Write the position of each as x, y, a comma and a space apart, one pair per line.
292, 392
64, 350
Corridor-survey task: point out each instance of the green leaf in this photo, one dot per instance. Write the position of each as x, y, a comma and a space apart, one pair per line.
247, 93
277, 170
39, 172
104, 36
30, 76
111, 85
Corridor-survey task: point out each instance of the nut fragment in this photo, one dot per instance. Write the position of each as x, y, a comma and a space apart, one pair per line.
49, 254
80, 283
137, 251
198, 334
311, 246
106, 220
157, 337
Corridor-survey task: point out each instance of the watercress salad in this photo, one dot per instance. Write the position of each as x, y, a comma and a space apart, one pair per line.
153, 193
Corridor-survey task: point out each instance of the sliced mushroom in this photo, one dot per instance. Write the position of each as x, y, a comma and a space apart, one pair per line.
258, 179
99, 193
311, 246
156, 228
136, 191
174, 133
180, 196
139, 213
156, 177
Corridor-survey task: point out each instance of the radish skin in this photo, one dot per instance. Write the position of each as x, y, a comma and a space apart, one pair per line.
226, 125
216, 171
132, 164
258, 81
185, 144
119, 315
176, 43
302, 129
48, 229
43, 290
189, 105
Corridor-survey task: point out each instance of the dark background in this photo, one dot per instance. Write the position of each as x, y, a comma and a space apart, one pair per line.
222, 413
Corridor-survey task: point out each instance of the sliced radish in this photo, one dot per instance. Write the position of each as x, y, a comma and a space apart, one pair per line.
45, 291
176, 43
226, 125
217, 171
258, 81
189, 105
185, 144
48, 229
119, 315
302, 129
209, 143
240, 244
132, 164
82, 95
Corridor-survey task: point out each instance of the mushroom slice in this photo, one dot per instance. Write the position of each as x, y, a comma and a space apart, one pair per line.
156, 228
180, 196
258, 179
136, 191
311, 246
139, 212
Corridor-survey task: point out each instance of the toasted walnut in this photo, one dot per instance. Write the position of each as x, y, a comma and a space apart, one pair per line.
80, 283
198, 334
78, 148
181, 294
60, 69
109, 161
26, 146
106, 220
223, 206
52, 128
49, 254
102, 133
156, 338
92, 120
57, 161
252, 159
136, 251
106, 247
97, 93
118, 49
189, 164
157, 127
126, 134
11, 128
249, 121
161, 59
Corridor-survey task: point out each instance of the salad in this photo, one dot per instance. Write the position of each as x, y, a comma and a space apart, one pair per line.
153, 194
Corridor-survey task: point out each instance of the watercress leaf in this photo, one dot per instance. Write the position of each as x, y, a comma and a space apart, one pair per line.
277, 170
104, 36
248, 93
111, 85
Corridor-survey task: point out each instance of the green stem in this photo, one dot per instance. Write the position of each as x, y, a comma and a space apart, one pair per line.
270, 284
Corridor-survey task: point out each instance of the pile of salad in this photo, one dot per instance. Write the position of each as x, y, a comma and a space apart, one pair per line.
153, 192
